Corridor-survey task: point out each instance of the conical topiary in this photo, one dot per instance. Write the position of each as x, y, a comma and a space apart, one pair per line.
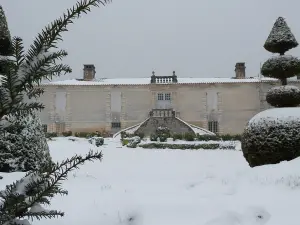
273, 135
280, 39
5, 38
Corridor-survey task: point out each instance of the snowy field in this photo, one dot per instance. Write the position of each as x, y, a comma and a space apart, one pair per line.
171, 187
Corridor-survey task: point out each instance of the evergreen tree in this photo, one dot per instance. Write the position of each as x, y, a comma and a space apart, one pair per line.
23, 145
20, 75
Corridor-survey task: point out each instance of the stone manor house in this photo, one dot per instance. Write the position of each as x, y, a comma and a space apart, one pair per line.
220, 105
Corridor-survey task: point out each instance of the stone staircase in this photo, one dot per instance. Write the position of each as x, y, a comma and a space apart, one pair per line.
163, 118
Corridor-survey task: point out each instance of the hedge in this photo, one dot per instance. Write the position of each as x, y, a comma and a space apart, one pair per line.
212, 146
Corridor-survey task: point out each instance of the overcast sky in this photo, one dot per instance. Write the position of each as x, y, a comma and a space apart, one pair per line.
130, 38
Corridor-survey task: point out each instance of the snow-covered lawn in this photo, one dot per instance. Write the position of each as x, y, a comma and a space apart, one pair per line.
169, 187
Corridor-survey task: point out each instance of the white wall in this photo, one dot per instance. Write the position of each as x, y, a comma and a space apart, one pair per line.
60, 104
212, 104
116, 105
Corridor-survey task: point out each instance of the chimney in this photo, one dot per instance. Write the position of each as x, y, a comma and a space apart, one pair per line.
240, 70
89, 72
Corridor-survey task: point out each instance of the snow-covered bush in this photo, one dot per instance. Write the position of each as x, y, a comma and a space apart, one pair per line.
282, 66
280, 39
67, 133
189, 136
161, 134
97, 141
133, 142
23, 145
273, 135
153, 137
284, 96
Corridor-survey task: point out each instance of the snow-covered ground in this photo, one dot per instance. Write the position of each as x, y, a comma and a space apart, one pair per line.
171, 187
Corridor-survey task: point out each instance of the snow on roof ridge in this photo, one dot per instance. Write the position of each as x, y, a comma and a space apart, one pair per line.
146, 81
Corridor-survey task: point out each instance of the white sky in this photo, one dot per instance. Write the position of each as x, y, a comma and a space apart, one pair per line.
130, 38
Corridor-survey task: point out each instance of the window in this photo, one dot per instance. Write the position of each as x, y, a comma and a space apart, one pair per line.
160, 96
168, 96
213, 126
45, 128
164, 96
115, 125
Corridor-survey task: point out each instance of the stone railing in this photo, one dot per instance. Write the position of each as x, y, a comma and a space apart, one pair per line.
163, 79
162, 113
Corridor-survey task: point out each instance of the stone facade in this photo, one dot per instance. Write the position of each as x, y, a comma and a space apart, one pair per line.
222, 105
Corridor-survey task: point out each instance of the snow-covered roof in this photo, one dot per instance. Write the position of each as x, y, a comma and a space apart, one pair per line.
146, 81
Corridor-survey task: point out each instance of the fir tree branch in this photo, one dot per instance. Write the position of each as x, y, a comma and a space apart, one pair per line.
44, 67
46, 214
34, 92
40, 187
27, 70
18, 47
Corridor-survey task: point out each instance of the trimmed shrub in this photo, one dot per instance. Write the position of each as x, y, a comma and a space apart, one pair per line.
177, 136
272, 136
97, 141
228, 137
125, 141
67, 133
141, 135
225, 137
133, 142
125, 135
90, 134
153, 137
284, 96
163, 131
163, 137
81, 134
281, 66
189, 136
207, 137
51, 135
269, 139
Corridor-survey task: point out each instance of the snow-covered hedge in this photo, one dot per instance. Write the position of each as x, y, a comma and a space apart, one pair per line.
282, 66
23, 145
207, 146
272, 136
284, 96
